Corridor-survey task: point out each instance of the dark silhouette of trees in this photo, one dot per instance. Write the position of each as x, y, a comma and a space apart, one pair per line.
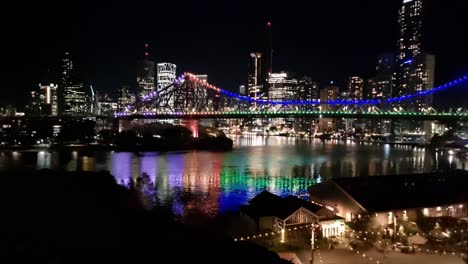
83, 217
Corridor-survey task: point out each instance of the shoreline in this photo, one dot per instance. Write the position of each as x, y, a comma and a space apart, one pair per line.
210, 145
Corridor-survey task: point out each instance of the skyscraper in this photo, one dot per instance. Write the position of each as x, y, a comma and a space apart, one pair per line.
330, 92
385, 63
34, 106
414, 69
73, 96
48, 99
409, 44
255, 80
356, 88
145, 74
166, 74
307, 89
281, 87
380, 88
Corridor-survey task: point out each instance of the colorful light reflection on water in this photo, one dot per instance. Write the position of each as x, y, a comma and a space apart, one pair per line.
215, 182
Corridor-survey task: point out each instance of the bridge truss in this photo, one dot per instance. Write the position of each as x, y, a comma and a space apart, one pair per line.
191, 97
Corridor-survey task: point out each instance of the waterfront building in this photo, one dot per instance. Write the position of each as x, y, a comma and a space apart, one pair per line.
431, 194
267, 211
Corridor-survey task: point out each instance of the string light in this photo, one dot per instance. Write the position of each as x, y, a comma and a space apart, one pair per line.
269, 234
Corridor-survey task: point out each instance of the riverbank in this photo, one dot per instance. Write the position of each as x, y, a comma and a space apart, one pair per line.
211, 144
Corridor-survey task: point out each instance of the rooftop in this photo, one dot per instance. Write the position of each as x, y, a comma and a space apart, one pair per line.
383, 193
268, 204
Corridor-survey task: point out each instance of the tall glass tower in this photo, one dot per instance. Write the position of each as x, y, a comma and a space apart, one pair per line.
408, 45
145, 75
72, 96
414, 69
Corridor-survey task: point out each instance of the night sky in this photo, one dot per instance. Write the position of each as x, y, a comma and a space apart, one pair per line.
326, 40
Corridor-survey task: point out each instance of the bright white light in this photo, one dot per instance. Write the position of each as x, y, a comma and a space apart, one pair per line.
426, 212
282, 235
407, 1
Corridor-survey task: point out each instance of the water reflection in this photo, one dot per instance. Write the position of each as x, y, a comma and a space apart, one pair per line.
214, 182
44, 160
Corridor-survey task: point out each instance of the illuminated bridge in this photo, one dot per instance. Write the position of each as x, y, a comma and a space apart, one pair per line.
192, 98
299, 113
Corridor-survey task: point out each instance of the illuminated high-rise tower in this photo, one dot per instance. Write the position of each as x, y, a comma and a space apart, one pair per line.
414, 69
410, 19
145, 75
48, 98
255, 82
72, 94
166, 74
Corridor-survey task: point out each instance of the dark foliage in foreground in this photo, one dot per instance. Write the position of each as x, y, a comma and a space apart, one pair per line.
81, 217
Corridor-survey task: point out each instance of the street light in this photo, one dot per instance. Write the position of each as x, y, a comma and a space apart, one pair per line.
312, 244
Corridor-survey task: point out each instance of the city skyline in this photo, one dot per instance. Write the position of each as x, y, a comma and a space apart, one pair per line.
298, 60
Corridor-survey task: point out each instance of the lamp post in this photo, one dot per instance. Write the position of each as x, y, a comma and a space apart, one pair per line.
312, 244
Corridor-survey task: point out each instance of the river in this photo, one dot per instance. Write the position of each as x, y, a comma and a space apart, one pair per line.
211, 183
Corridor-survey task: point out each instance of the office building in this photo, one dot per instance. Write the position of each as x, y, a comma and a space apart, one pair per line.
355, 88
73, 96
145, 74
330, 92
166, 74
380, 87
307, 89
33, 108
125, 98
281, 87
408, 45
414, 69
75, 102
48, 99
107, 106
255, 80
